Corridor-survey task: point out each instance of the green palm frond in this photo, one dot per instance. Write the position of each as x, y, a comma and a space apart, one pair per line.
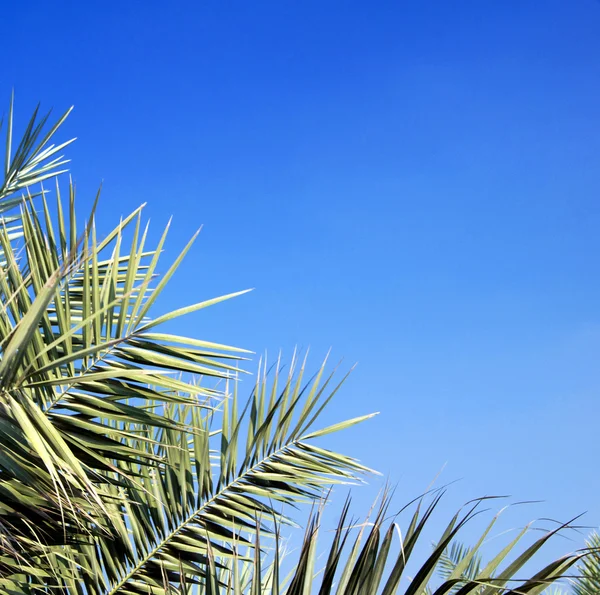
588, 581
32, 160
461, 561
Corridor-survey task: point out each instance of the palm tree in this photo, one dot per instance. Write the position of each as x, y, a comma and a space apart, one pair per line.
129, 462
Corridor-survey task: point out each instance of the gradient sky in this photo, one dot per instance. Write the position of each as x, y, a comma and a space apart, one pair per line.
413, 183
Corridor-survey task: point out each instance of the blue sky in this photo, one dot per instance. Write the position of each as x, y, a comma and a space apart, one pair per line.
413, 183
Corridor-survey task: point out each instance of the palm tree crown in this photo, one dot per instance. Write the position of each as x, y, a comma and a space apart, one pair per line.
130, 463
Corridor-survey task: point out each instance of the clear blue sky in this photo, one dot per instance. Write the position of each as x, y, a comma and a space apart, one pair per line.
413, 183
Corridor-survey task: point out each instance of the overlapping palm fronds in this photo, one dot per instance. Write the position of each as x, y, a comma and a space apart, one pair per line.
76, 345
79, 354
98, 406
129, 464
209, 491
373, 557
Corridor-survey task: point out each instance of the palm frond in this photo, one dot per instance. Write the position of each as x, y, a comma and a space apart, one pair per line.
34, 159
460, 561
588, 580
